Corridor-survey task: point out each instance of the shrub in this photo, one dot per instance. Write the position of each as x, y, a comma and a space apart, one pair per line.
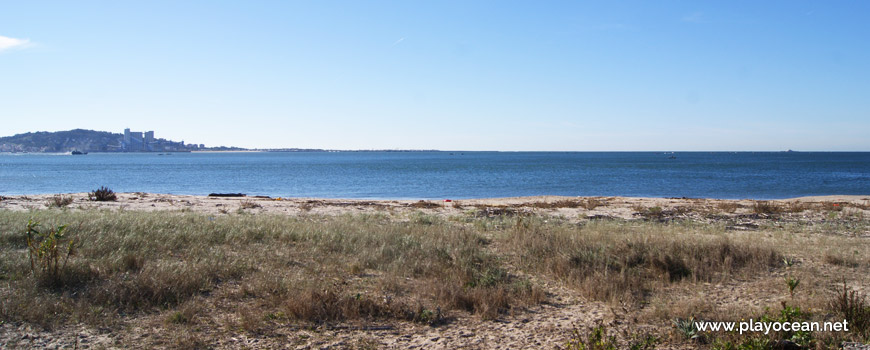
764, 207
249, 204
854, 308
656, 213
103, 194
789, 314
565, 203
424, 205
728, 207
307, 206
596, 339
592, 203
58, 201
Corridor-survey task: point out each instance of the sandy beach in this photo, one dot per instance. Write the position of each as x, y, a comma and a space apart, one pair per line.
572, 208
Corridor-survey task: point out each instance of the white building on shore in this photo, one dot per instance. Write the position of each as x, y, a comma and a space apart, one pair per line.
137, 141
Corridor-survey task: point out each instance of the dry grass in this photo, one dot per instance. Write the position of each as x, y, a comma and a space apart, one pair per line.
592, 203
621, 261
564, 203
768, 208
424, 205
249, 204
728, 207
254, 273
863, 206
133, 262
853, 306
586, 203
58, 201
839, 259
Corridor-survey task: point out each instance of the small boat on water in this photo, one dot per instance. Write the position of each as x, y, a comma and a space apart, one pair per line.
78, 153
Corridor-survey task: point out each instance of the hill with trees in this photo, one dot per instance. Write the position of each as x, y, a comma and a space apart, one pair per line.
84, 141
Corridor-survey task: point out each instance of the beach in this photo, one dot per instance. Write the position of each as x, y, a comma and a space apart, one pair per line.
522, 272
573, 208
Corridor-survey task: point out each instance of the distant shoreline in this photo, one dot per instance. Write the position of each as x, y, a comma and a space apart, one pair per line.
156, 201
416, 151
263, 151
856, 198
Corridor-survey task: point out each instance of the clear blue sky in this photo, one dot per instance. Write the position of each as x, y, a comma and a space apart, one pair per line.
469, 75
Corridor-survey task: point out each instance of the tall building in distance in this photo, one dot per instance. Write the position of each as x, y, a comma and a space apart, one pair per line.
137, 141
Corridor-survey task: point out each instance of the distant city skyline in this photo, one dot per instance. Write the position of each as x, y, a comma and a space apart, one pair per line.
508, 76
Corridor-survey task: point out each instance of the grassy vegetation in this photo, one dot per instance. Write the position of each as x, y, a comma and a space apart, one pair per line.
58, 201
250, 272
612, 261
305, 269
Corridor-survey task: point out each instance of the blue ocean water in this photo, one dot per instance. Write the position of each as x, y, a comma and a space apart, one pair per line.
434, 175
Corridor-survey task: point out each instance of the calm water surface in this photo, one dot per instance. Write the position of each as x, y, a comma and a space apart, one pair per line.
433, 175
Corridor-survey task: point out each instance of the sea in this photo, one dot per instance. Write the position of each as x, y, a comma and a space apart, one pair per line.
445, 175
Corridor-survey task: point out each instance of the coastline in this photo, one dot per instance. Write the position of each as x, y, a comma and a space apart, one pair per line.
573, 208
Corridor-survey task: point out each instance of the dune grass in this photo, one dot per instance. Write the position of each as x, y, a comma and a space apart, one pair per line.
618, 261
192, 268
138, 262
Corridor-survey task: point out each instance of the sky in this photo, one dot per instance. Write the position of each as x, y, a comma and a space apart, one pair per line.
450, 75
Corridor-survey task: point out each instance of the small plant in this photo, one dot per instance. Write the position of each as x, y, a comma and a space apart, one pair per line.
652, 212
643, 341
596, 339
43, 248
792, 283
58, 201
103, 194
765, 207
728, 207
565, 203
249, 204
835, 206
421, 218
307, 206
790, 314
424, 205
426, 316
687, 328
177, 317
836, 259
749, 343
854, 308
592, 203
